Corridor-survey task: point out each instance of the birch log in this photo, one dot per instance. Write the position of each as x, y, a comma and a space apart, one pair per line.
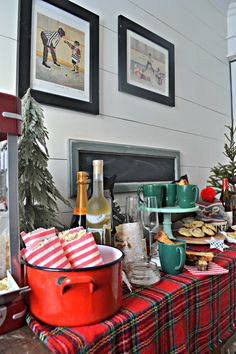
130, 239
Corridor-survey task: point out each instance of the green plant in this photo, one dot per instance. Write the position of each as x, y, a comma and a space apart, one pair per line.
227, 170
38, 194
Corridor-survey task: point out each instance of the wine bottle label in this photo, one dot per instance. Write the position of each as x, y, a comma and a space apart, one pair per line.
79, 211
97, 219
94, 230
101, 236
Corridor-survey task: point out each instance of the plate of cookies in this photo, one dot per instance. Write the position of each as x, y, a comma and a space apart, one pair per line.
197, 232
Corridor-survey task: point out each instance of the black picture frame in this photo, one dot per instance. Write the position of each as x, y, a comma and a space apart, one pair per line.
136, 45
68, 94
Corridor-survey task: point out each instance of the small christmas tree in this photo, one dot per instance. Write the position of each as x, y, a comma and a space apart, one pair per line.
37, 191
226, 170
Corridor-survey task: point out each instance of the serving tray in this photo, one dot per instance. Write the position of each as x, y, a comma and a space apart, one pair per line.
198, 240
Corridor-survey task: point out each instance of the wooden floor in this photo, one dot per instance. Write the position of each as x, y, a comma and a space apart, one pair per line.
21, 341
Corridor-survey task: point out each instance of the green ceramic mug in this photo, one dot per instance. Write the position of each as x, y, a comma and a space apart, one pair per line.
151, 190
169, 194
172, 256
187, 195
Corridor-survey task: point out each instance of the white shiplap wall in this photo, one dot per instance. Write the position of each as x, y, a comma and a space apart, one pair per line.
195, 126
232, 52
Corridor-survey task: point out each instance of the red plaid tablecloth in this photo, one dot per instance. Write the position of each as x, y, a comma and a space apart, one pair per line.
180, 314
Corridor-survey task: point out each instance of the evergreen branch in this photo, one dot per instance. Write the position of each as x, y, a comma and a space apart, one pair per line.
38, 194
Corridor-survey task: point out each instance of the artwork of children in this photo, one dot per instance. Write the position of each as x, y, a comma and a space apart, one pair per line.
57, 60
148, 65
75, 56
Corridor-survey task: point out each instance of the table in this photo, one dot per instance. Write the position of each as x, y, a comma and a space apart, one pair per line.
180, 314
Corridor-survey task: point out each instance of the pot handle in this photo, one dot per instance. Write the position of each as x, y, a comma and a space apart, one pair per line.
84, 279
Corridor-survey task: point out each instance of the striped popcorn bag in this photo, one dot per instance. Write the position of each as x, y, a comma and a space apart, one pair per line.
37, 235
81, 249
48, 253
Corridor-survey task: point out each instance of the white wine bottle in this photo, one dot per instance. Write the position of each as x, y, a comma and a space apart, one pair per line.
98, 216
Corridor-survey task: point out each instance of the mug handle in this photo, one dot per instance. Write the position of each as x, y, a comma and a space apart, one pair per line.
139, 191
181, 254
196, 193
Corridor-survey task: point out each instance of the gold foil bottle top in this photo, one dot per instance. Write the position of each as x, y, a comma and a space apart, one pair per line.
82, 177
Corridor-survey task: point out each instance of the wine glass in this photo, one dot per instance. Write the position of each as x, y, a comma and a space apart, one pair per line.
149, 217
132, 213
143, 271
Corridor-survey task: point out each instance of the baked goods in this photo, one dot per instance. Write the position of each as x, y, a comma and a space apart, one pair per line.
201, 259
182, 182
212, 227
197, 223
197, 232
208, 256
188, 219
208, 231
162, 237
188, 225
184, 231
196, 228
202, 265
4, 285
231, 234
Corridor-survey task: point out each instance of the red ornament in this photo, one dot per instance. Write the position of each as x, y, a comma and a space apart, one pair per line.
208, 194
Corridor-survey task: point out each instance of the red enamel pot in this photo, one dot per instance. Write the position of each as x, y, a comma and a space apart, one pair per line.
77, 297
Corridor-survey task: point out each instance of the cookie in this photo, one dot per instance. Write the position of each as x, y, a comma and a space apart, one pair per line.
188, 220
197, 223
197, 232
212, 227
232, 234
187, 225
185, 232
208, 231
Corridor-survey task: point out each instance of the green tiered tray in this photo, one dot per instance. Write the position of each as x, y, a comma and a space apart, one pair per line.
167, 211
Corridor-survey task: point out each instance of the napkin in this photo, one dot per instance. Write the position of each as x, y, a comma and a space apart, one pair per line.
213, 269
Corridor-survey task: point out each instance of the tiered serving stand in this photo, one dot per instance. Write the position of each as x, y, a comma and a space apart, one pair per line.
167, 211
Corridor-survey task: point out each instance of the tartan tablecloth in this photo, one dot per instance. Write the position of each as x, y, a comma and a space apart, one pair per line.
180, 314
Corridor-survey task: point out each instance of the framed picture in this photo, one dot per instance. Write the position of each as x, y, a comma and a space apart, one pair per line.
59, 54
146, 63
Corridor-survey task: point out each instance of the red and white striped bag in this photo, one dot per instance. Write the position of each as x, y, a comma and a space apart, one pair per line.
37, 235
48, 253
82, 251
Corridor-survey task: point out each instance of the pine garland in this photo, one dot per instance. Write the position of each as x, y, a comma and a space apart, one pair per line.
37, 192
226, 170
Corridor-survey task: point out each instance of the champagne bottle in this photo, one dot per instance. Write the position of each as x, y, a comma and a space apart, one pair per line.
79, 214
226, 201
98, 216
